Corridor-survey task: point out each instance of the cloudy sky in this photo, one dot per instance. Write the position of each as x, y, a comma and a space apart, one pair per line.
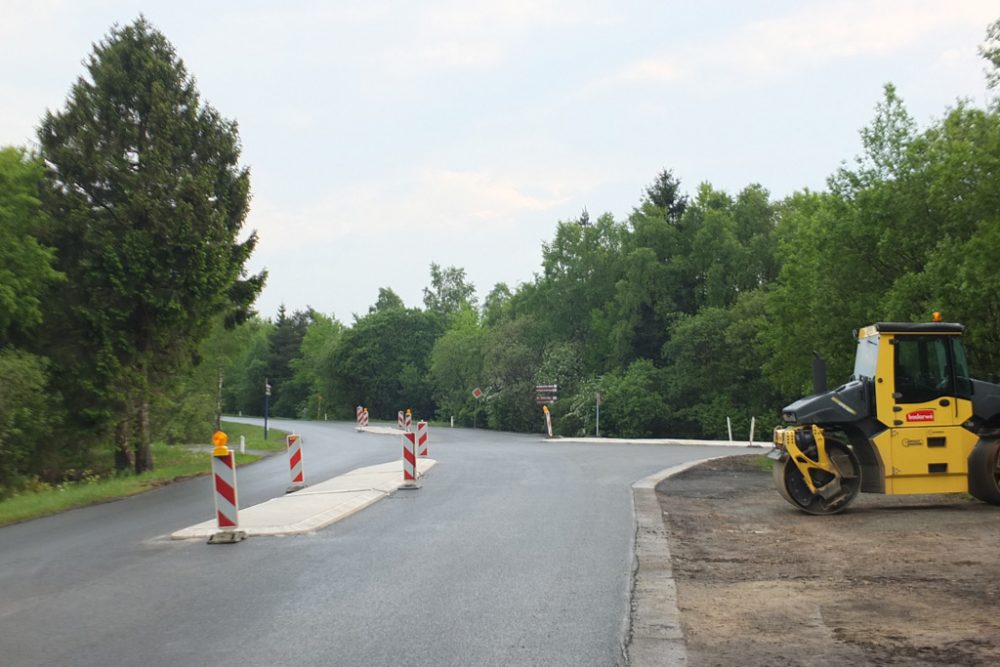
385, 135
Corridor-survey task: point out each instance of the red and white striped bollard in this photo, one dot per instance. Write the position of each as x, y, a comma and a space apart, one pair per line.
226, 502
409, 421
293, 444
409, 461
399, 420
421, 438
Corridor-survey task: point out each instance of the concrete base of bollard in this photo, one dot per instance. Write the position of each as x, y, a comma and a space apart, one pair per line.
295, 487
409, 486
227, 537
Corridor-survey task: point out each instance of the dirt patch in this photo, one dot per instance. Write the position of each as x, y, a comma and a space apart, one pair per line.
903, 580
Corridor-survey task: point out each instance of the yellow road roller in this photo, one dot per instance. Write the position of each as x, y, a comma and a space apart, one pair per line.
909, 421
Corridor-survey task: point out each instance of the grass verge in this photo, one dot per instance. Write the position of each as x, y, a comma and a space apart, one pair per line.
254, 437
173, 462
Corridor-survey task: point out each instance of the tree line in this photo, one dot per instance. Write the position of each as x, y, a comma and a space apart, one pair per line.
125, 309
695, 307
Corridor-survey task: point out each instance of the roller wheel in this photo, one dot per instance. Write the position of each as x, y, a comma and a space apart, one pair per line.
794, 489
984, 471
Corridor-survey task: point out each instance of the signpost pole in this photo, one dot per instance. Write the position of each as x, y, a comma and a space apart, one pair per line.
597, 427
267, 401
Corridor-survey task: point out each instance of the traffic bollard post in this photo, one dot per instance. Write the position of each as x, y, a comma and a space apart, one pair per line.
226, 500
421, 438
293, 445
409, 461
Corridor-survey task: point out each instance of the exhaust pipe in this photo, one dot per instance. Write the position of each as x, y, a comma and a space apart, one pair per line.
819, 374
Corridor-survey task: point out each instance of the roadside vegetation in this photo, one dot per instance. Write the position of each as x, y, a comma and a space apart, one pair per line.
174, 462
125, 306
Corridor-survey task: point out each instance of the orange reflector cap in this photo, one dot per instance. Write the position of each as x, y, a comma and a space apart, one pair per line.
937, 316
219, 439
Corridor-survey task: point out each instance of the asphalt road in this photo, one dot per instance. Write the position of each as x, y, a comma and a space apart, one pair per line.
515, 551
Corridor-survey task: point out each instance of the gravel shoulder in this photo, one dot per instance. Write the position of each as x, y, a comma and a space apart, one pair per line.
904, 580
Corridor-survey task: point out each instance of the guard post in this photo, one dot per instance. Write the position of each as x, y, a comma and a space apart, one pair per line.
421, 439
226, 502
409, 461
293, 444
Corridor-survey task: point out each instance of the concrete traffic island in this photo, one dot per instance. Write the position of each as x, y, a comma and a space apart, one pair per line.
317, 506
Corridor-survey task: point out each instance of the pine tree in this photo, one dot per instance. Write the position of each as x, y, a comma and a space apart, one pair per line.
148, 201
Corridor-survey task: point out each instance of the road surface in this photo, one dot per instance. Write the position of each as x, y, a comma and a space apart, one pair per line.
515, 551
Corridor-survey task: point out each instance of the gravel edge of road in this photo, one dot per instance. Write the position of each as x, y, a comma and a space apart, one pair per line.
655, 636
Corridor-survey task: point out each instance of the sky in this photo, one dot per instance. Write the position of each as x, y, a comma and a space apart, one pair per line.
386, 135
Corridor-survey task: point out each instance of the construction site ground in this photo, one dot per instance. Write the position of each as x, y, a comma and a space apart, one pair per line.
893, 580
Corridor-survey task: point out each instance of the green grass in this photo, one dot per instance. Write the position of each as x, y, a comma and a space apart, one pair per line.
255, 437
173, 462
764, 463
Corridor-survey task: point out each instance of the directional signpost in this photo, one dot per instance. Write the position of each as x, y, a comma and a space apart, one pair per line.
546, 395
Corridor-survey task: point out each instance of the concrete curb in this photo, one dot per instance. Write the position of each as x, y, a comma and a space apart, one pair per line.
380, 430
660, 441
655, 635
389, 430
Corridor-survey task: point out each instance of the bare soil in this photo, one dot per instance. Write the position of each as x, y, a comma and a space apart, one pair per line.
902, 580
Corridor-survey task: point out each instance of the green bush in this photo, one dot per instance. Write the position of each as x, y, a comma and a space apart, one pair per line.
27, 417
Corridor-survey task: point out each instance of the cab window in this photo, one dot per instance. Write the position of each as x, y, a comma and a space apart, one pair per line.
925, 368
866, 358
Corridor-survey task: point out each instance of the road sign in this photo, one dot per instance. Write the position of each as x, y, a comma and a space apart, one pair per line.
545, 394
477, 392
